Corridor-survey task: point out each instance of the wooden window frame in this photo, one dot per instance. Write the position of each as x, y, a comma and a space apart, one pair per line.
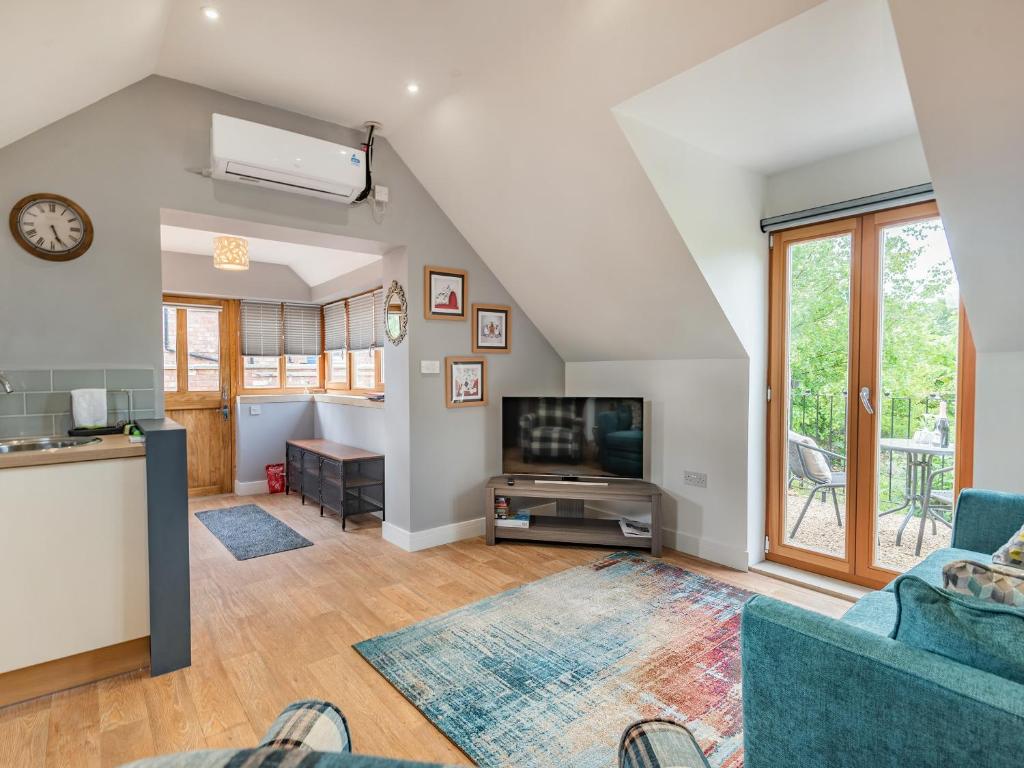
282, 364
181, 398
857, 565
347, 388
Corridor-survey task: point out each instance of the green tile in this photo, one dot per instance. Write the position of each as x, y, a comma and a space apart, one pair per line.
12, 405
29, 381
130, 378
26, 426
64, 381
143, 399
62, 423
48, 402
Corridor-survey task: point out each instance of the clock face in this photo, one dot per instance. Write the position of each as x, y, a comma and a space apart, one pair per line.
51, 227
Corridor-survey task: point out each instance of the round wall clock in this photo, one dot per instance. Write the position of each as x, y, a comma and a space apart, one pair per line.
51, 227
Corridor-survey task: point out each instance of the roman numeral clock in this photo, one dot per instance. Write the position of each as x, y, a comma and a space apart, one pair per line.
51, 227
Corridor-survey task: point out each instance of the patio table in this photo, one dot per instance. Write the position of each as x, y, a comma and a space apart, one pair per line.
919, 467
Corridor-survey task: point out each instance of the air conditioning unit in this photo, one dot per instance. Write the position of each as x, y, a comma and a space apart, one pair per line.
259, 155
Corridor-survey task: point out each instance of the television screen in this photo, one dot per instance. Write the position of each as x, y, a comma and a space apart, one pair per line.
573, 436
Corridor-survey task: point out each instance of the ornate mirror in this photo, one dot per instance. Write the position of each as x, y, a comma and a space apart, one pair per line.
397, 316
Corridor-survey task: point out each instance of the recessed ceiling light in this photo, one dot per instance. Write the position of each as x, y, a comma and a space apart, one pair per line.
412, 88
211, 13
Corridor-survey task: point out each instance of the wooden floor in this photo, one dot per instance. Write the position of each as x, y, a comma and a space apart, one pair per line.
274, 629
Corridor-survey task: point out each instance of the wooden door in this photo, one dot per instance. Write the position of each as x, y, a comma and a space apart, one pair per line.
868, 346
197, 344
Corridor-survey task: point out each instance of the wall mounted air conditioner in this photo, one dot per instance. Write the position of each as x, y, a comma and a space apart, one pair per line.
259, 155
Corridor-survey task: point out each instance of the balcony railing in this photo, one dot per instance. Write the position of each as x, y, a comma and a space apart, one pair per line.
823, 418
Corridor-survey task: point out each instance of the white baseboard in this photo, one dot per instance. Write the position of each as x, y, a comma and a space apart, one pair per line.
414, 541
251, 488
706, 549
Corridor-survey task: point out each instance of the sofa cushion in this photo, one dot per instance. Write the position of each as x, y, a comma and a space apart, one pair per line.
626, 440
967, 630
875, 612
1012, 552
930, 569
998, 584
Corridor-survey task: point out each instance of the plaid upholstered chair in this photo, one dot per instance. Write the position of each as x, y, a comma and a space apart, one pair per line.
314, 734
552, 432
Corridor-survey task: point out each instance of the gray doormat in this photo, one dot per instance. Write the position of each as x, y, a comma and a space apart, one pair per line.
249, 531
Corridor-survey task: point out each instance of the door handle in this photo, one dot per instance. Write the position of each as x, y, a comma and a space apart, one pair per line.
865, 400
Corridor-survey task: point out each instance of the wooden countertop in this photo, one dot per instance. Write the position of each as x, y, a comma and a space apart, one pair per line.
336, 451
109, 447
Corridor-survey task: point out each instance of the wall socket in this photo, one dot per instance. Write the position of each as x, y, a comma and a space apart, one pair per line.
696, 479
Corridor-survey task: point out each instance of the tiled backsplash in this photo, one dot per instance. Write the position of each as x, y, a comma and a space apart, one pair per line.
41, 401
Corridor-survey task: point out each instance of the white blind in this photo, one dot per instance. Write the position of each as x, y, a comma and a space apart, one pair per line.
360, 322
334, 327
379, 318
261, 329
301, 329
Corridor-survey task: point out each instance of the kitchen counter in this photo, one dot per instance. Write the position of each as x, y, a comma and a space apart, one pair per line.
110, 447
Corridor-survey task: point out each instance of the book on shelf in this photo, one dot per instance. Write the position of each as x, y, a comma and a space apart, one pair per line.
519, 520
635, 528
502, 508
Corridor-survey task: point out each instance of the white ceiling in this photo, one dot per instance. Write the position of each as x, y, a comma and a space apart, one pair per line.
315, 265
62, 55
824, 83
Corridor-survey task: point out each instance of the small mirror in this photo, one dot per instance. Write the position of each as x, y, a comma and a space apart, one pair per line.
397, 313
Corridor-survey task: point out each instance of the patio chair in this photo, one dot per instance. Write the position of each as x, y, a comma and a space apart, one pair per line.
931, 495
808, 461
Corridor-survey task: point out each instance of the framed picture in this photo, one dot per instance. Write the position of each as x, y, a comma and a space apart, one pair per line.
492, 328
444, 293
465, 381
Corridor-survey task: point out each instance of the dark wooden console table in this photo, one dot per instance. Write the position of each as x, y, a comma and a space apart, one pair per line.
335, 476
569, 525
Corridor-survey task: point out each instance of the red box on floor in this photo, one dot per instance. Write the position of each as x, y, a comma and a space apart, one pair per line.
275, 477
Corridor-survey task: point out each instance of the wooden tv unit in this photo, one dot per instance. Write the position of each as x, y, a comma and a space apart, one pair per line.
568, 525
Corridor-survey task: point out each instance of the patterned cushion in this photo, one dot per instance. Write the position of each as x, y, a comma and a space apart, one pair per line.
1012, 552
552, 442
556, 412
1000, 585
309, 724
659, 744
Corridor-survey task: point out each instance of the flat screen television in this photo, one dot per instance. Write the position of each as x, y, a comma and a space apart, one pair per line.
574, 437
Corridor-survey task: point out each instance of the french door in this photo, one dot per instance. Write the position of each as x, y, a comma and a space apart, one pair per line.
870, 418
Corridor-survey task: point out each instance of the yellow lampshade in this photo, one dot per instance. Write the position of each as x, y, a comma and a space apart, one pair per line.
231, 253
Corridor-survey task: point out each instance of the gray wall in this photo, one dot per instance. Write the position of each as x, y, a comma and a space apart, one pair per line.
352, 425
127, 156
196, 276
261, 439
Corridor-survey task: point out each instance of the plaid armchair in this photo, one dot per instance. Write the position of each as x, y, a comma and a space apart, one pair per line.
553, 431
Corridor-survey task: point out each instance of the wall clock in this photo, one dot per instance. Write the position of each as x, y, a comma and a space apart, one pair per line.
51, 227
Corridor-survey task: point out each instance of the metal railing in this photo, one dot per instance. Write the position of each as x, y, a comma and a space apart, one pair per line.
823, 417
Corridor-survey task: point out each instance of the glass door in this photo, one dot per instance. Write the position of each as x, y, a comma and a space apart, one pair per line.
869, 359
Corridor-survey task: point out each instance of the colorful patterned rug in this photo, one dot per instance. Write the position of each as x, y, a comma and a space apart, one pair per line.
551, 673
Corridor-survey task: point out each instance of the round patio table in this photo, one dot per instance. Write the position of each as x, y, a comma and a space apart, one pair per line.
919, 480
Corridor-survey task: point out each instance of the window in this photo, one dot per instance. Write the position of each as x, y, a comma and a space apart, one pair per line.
191, 338
170, 339
353, 336
281, 346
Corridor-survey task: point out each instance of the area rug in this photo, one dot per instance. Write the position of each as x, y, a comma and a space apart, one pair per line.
249, 531
551, 673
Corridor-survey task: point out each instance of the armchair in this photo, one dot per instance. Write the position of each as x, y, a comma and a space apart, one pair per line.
808, 461
554, 431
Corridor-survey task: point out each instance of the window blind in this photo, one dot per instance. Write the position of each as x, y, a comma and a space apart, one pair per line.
301, 329
334, 327
261, 329
379, 315
360, 322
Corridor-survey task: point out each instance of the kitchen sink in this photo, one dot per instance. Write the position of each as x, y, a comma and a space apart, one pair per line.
19, 444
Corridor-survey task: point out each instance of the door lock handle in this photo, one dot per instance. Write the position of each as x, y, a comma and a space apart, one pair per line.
865, 400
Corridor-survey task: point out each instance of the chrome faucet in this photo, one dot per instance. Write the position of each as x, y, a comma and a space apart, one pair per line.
5, 384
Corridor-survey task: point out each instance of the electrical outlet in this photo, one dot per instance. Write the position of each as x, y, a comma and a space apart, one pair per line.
254, 410
430, 366
380, 193
696, 479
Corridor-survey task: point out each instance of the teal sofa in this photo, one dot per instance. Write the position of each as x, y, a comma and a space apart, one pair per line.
839, 693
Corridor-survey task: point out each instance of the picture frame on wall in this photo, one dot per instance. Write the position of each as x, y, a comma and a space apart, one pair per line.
444, 293
465, 381
492, 329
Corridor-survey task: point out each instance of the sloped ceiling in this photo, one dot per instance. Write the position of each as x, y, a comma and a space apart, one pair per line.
60, 56
964, 64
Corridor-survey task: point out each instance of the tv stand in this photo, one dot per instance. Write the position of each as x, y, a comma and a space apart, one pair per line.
568, 525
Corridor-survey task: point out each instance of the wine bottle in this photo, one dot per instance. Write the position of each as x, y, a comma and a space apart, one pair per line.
942, 425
